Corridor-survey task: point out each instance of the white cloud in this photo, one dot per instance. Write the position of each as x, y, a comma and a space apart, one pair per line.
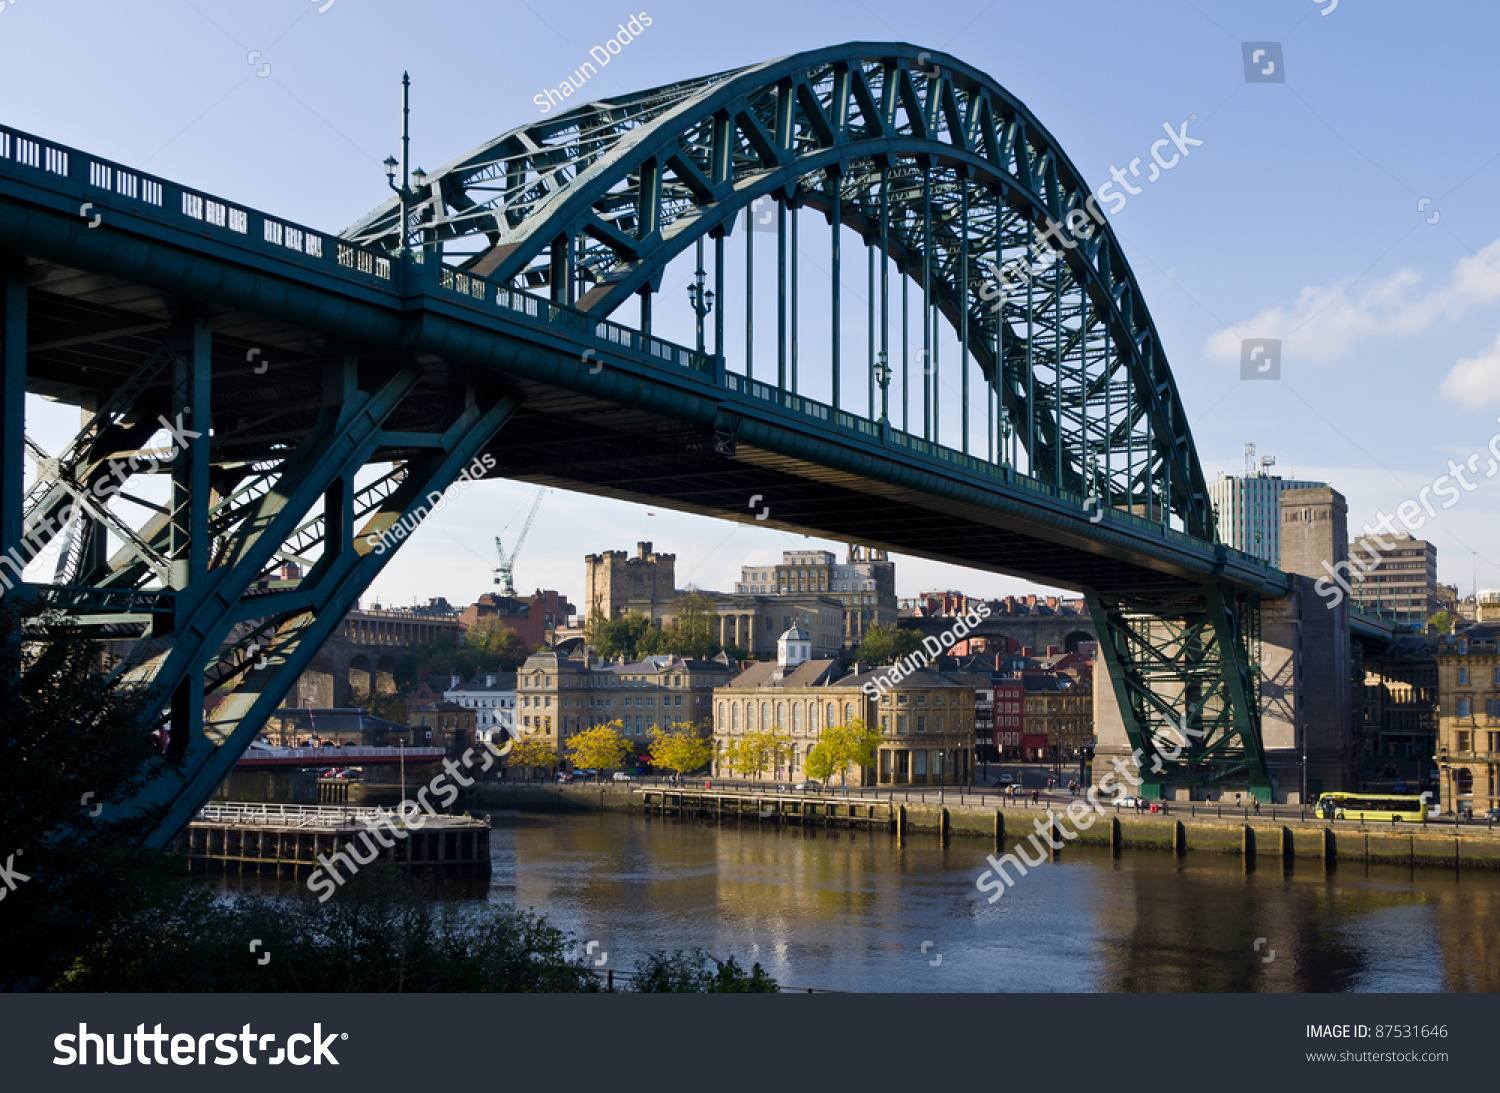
1327, 321
1474, 381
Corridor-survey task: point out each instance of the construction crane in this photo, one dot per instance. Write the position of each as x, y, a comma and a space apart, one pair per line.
505, 571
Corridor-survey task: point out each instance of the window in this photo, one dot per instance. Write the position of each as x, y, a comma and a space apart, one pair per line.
921, 722
1463, 677
885, 723
1463, 740
901, 724
1494, 742
1463, 711
937, 723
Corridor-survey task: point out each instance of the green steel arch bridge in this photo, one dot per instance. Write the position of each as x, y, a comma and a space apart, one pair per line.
495, 320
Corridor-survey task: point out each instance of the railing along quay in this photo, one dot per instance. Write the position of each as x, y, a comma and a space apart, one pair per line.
789, 807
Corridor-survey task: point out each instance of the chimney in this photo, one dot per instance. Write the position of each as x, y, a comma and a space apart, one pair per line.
1052, 650
1026, 651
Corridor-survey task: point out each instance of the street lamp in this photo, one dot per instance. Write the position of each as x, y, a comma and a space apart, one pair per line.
702, 297
883, 377
405, 191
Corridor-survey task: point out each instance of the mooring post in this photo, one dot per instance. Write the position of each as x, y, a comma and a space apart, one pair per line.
999, 830
1247, 846
1179, 838
944, 825
1116, 836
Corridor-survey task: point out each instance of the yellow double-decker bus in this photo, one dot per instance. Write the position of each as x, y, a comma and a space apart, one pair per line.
1380, 807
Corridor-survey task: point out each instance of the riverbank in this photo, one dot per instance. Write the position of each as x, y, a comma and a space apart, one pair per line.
1254, 838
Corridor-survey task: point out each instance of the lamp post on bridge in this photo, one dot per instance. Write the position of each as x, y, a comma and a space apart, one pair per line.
701, 296
882, 370
405, 191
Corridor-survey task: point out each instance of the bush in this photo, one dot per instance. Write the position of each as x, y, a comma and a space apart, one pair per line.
689, 973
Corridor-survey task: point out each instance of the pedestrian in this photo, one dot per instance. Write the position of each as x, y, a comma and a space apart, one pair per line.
1257, 806
1035, 796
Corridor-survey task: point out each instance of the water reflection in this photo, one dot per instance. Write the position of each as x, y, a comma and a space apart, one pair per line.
846, 910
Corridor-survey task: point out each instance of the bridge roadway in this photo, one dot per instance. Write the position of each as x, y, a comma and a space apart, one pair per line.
640, 428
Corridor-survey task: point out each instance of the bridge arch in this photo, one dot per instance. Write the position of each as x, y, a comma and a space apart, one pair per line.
929, 160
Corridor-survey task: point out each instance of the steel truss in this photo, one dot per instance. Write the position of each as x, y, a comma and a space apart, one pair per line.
1185, 670
197, 579
936, 167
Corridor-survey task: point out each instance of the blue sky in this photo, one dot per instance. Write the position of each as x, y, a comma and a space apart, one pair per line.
1343, 211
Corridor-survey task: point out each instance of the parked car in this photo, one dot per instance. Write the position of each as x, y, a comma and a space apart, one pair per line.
1492, 814
1128, 802
1399, 787
585, 772
1389, 771
1007, 779
621, 776
808, 786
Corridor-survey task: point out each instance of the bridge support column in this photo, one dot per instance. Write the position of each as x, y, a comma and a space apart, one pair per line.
1307, 684
13, 300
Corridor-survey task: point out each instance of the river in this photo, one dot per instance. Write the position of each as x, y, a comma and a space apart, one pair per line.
851, 910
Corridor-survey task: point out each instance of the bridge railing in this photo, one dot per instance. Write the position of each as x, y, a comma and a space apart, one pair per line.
292, 815
348, 754
115, 185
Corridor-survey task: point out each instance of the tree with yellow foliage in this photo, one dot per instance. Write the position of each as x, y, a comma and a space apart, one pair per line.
759, 751
533, 750
680, 748
853, 743
602, 747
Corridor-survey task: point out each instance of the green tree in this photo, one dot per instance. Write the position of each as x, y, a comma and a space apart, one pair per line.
694, 629
631, 635
1442, 621
602, 747
887, 644
821, 762
681, 748
852, 743
496, 643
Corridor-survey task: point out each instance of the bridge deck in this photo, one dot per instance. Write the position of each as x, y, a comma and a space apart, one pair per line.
639, 428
